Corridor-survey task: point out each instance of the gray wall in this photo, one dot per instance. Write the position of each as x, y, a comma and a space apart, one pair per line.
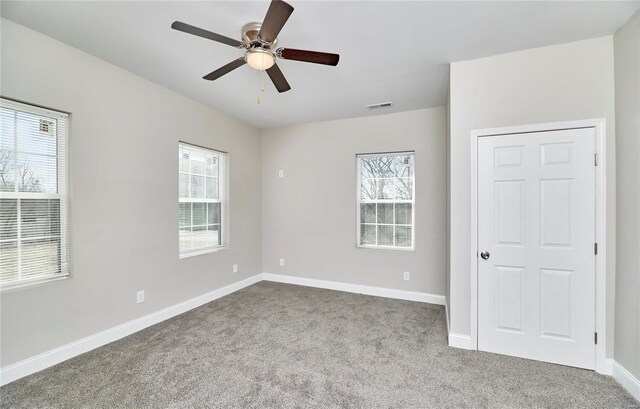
558, 83
627, 82
124, 140
309, 216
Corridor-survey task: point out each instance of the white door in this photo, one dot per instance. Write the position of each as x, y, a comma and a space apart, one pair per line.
536, 223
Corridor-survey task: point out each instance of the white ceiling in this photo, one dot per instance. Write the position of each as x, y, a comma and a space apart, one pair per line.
389, 50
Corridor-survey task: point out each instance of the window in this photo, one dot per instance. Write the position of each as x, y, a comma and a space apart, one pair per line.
34, 230
386, 192
201, 199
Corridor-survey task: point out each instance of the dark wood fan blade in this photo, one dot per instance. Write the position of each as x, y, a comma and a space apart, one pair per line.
189, 29
277, 15
278, 78
315, 57
225, 69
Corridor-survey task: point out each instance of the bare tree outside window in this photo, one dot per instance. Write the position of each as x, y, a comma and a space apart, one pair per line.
386, 200
386, 177
34, 244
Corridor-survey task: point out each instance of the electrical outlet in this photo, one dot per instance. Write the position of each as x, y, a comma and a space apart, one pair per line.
235, 268
406, 275
281, 173
282, 262
140, 296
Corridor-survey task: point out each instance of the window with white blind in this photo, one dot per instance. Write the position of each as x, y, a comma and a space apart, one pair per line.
34, 228
201, 199
386, 201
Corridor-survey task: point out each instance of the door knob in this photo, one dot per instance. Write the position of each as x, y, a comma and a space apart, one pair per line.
485, 255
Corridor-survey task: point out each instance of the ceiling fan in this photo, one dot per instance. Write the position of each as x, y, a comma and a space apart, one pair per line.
259, 41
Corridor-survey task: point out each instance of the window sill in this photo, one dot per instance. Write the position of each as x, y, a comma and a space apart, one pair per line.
21, 285
409, 249
202, 251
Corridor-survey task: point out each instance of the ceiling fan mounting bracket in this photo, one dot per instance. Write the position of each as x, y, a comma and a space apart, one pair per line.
249, 35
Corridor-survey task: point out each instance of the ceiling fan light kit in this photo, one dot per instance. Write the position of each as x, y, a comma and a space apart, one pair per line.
260, 59
259, 41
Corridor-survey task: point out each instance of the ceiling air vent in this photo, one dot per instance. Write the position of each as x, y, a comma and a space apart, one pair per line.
380, 105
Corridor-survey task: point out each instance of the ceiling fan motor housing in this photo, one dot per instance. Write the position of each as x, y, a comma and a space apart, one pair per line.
250, 36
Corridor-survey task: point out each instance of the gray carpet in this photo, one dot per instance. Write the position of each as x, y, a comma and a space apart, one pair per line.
283, 346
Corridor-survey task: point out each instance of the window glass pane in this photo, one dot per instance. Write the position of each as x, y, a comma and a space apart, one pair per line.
36, 134
197, 162
377, 166
214, 236
197, 187
214, 213
395, 188
200, 220
386, 189
404, 188
403, 236
385, 235
401, 166
7, 171
367, 189
368, 168
40, 257
32, 155
199, 214
8, 219
37, 173
185, 238
212, 165
368, 213
384, 166
184, 210
212, 188
7, 129
39, 217
368, 234
386, 199
184, 160
202, 236
8, 261
183, 185
403, 213
385, 213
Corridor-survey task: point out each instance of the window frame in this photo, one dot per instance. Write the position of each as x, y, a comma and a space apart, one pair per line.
360, 201
63, 182
223, 200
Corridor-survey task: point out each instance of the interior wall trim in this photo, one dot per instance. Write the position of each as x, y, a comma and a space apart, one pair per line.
357, 288
626, 379
460, 341
52, 357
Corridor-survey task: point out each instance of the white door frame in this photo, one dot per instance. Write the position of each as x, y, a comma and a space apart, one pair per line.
601, 214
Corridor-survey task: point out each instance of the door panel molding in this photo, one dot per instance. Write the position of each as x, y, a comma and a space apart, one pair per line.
561, 156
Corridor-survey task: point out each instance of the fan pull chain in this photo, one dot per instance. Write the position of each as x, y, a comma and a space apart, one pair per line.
258, 100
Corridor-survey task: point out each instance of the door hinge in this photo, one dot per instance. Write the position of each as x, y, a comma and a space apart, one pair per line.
595, 159
595, 337
595, 248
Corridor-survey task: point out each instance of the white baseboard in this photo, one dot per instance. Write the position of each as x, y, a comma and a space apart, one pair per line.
46, 359
606, 368
446, 314
459, 341
356, 288
627, 380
